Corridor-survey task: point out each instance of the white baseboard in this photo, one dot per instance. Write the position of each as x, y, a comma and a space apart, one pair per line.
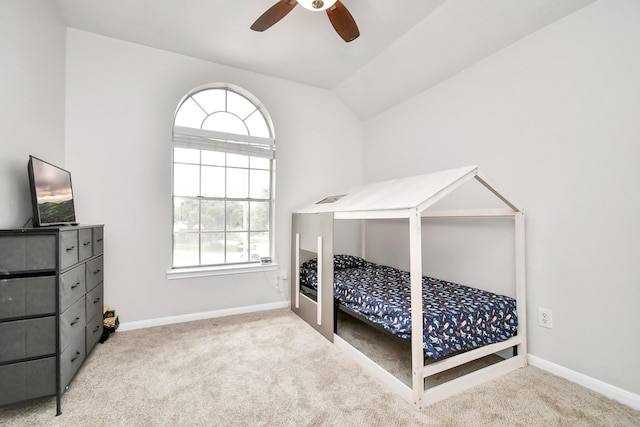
612, 392
162, 321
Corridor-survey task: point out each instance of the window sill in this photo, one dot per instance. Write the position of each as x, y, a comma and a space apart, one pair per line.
188, 273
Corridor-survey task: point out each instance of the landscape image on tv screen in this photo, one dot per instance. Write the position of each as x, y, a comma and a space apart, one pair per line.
54, 193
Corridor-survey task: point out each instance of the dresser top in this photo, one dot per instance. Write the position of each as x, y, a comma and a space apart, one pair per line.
48, 229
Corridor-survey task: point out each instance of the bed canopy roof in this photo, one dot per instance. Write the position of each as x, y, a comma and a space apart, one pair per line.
398, 198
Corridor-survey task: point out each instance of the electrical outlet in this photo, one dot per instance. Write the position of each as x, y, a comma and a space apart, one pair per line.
544, 318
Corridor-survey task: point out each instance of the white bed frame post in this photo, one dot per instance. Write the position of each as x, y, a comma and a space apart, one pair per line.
521, 288
363, 238
417, 352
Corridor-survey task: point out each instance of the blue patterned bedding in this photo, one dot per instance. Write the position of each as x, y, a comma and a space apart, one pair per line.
456, 317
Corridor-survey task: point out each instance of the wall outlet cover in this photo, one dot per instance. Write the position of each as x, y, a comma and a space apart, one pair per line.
544, 318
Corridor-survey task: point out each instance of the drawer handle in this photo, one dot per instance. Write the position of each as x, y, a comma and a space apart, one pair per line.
99, 239
75, 321
71, 248
86, 243
75, 286
97, 300
96, 329
75, 358
97, 271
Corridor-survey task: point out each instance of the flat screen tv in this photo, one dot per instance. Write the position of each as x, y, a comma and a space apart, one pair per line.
51, 194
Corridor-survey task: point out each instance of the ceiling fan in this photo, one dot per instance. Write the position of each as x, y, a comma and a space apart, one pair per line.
340, 18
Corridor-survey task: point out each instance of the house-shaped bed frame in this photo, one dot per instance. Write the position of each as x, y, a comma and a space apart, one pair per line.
411, 199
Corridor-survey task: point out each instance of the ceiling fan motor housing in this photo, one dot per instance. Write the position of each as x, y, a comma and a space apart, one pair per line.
317, 4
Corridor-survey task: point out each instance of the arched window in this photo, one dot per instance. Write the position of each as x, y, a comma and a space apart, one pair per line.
223, 177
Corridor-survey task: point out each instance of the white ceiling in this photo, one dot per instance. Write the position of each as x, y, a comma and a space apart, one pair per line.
405, 46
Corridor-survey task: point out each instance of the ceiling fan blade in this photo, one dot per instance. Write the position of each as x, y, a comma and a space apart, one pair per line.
273, 14
343, 22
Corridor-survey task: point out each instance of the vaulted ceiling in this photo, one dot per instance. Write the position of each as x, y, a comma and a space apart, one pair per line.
405, 46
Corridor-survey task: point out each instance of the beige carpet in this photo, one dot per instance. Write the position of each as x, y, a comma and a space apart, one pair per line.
271, 369
394, 354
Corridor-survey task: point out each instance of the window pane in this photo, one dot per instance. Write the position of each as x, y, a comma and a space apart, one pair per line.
260, 163
237, 183
212, 248
239, 105
259, 180
212, 181
237, 216
186, 155
237, 247
259, 246
225, 122
237, 160
185, 214
211, 100
186, 180
259, 216
213, 158
257, 125
212, 215
189, 115
185, 249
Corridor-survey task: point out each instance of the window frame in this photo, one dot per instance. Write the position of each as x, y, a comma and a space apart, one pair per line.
229, 143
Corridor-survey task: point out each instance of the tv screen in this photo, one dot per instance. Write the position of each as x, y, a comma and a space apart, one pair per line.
51, 194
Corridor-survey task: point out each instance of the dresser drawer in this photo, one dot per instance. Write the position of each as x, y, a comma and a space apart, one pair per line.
85, 243
71, 359
27, 338
29, 380
68, 248
94, 302
27, 253
98, 240
94, 272
27, 296
72, 286
72, 322
93, 331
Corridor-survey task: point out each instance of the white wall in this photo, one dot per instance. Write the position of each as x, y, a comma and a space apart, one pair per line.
32, 46
121, 99
553, 119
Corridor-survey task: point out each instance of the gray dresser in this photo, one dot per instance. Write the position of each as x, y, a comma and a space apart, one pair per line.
51, 299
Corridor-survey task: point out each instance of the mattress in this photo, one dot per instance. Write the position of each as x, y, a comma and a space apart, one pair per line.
456, 317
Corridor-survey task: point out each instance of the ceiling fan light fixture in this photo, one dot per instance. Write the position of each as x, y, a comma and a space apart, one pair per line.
317, 5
